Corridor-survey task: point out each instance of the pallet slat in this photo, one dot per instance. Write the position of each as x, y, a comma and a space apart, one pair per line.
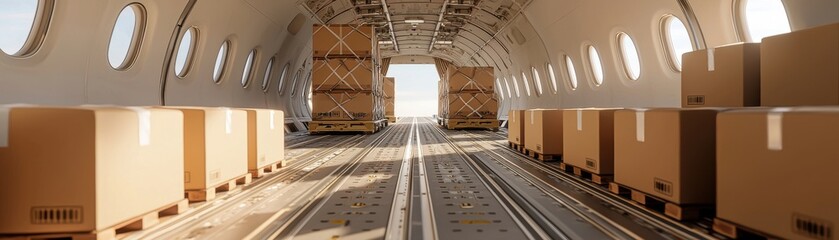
672, 210
209, 194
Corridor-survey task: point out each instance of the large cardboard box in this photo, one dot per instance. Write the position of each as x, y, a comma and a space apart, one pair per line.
344, 106
475, 79
472, 106
343, 74
85, 169
801, 68
215, 146
776, 169
344, 40
667, 153
543, 131
726, 76
390, 96
588, 139
515, 127
266, 138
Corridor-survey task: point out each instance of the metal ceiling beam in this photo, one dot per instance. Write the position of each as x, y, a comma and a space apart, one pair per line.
439, 24
390, 26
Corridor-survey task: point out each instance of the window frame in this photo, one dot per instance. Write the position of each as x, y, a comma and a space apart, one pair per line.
283, 74
269, 69
190, 55
537, 80
526, 81
221, 66
552, 75
591, 51
742, 21
571, 71
516, 85
37, 31
667, 42
625, 58
249, 68
137, 37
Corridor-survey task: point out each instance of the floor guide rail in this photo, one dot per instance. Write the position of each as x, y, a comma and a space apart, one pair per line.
416, 180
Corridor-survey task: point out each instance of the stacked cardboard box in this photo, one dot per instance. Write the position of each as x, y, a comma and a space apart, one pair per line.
390, 99
543, 132
468, 93
266, 140
800, 68
775, 170
87, 169
727, 76
667, 153
516, 127
588, 139
215, 146
347, 84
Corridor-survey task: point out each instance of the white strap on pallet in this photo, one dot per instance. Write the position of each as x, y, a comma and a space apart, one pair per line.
711, 62
4, 126
579, 119
144, 125
640, 125
228, 120
271, 120
775, 129
532, 116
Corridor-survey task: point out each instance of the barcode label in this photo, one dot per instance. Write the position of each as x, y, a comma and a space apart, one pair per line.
696, 100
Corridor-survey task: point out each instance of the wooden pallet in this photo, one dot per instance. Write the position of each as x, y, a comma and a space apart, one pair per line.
735, 231
468, 124
134, 224
516, 146
367, 127
593, 177
271, 168
672, 210
210, 193
542, 157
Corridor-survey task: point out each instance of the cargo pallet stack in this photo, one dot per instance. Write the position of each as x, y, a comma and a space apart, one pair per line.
347, 89
390, 99
468, 98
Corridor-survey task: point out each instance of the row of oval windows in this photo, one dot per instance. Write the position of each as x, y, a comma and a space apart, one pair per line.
124, 44
130, 25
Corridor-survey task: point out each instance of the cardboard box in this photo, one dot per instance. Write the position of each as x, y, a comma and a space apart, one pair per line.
543, 131
588, 139
215, 146
390, 96
91, 167
667, 153
475, 79
776, 169
344, 40
343, 74
266, 138
515, 127
345, 106
727, 76
800, 68
472, 106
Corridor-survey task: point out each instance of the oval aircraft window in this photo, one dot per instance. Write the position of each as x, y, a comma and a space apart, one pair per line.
294, 82
246, 73
596, 65
23, 25
631, 60
516, 85
552, 75
678, 41
526, 83
126, 36
537, 79
266, 80
282, 79
221, 61
764, 18
572, 73
185, 51
500, 89
509, 92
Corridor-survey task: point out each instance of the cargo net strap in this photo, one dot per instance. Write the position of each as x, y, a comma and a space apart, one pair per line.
341, 43
349, 79
345, 97
476, 111
472, 84
385, 65
442, 67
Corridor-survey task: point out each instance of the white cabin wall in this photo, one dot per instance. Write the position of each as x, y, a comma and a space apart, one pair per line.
71, 67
